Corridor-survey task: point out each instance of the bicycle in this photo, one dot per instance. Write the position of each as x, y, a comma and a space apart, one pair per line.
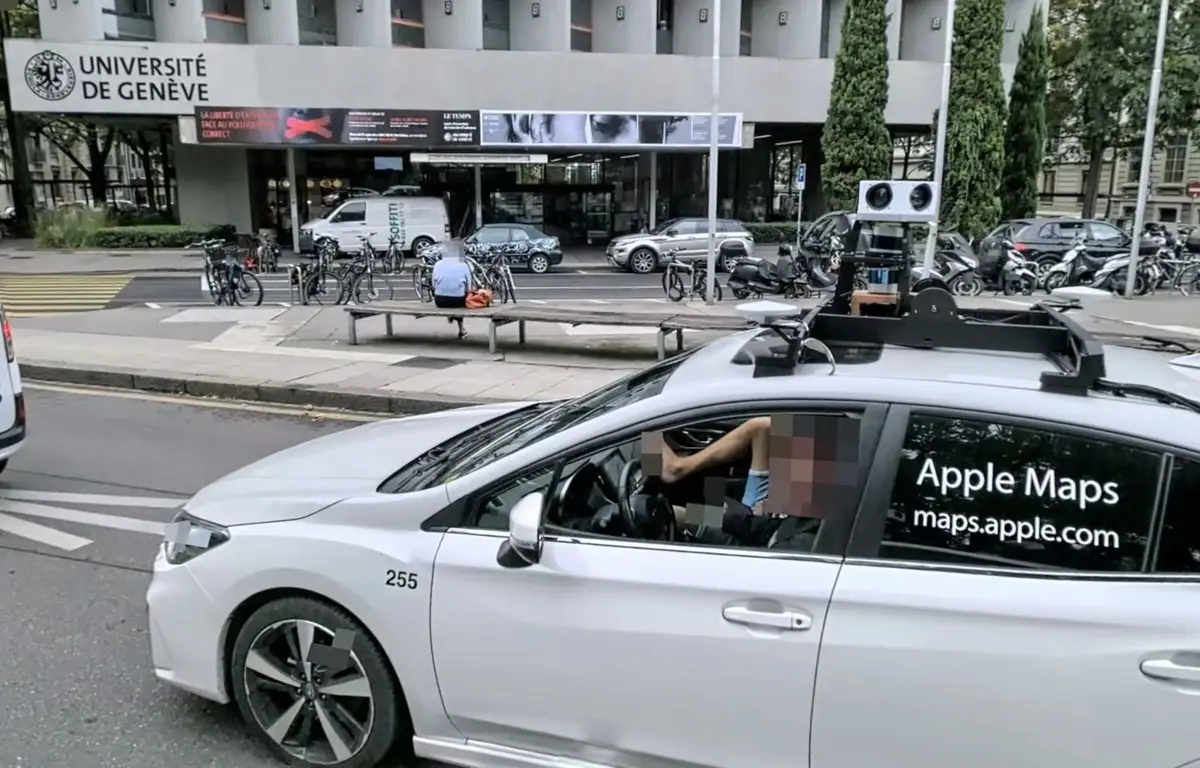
422, 276
317, 282
393, 258
496, 276
364, 283
229, 282
696, 286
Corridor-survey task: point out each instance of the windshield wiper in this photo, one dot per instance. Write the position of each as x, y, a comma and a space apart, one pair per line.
1166, 397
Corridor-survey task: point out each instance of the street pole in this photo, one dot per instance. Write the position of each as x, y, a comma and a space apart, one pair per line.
714, 135
293, 198
1139, 215
939, 157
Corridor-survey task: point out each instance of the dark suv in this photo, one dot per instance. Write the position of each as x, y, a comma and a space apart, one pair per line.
1043, 241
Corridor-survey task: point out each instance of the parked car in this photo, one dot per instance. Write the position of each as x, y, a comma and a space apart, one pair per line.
524, 244
1043, 241
335, 199
12, 398
642, 252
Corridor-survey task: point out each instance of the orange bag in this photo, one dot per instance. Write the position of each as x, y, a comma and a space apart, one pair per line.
479, 299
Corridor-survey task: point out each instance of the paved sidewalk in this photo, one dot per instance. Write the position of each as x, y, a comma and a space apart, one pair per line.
299, 355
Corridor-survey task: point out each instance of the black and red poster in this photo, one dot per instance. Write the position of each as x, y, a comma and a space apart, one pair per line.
300, 126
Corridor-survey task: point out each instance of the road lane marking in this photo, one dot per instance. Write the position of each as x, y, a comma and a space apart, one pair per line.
314, 414
80, 517
152, 305
41, 534
100, 499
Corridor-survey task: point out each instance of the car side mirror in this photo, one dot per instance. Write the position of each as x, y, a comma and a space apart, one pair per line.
524, 545
671, 232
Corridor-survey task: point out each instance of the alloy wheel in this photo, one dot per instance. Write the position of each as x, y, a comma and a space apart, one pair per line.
539, 264
643, 262
316, 713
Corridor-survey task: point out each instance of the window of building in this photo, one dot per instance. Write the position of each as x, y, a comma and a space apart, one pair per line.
1049, 180
229, 9
495, 25
1175, 163
408, 24
318, 22
581, 25
1168, 215
991, 494
128, 20
666, 23
1133, 165
747, 36
1084, 176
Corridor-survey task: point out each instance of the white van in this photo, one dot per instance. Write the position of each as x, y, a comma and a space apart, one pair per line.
12, 399
415, 221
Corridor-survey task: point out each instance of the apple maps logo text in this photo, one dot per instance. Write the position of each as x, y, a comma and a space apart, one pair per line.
50, 76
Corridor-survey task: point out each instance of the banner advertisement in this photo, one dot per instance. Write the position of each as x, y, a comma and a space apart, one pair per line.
306, 126
606, 130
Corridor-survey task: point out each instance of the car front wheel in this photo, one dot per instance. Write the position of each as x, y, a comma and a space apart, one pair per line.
315, 686
643, 261
539, 263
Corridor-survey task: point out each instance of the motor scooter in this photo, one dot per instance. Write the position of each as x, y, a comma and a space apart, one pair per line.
755, 276
1012, 273
1115, 272
1077, 267
954, 265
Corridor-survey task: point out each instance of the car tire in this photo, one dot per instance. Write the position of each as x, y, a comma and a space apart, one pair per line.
1043, 264
726, 264
643, 261
420, 243
539, 264
388, 725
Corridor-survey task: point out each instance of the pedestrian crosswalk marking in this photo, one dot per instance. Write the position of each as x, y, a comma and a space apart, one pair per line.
36, 295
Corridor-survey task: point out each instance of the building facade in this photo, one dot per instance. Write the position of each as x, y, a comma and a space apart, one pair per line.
643, 61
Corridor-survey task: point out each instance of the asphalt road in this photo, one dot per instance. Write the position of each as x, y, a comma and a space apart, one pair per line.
79, 691
599, 285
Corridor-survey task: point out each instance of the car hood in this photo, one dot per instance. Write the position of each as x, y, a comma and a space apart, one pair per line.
306, 478
312, 223
637, 238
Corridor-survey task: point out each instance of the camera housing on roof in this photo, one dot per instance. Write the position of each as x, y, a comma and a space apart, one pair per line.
901, 202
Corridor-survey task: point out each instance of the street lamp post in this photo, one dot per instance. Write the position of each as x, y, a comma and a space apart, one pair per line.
714, 134
1139, 215
939, 157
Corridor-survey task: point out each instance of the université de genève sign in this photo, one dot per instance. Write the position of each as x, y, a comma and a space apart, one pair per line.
127, 77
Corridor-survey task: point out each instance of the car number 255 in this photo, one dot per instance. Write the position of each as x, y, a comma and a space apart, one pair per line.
401, 579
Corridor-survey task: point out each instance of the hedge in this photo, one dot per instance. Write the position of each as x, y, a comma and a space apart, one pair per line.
157, 236
774, 231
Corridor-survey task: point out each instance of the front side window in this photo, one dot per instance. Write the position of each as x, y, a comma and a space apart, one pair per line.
975, 492
492, 235
685, 227
352, 212
767, 481
1105, 234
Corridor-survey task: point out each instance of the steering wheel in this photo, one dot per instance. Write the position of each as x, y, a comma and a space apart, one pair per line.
625, 492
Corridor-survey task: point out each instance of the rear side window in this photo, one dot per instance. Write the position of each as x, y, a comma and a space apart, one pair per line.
992, 494
1179, 544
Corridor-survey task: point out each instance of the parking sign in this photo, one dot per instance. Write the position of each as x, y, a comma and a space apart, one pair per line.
801, 172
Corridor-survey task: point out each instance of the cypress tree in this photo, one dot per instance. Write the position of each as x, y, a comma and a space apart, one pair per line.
1025, 133
975, 121
855, 140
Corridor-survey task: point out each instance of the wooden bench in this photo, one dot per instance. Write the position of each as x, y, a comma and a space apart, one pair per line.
500, 315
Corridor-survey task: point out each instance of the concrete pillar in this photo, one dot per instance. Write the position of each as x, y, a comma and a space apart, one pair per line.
831, 34
550, 30
179, 21
460, 29
478, 196
71, 22
634, 29
370, 27
653, 203
691, 37
787, 29
213, 185
895, 11
277, 25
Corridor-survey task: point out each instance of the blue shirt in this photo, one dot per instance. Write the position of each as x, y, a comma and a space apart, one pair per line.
451, 277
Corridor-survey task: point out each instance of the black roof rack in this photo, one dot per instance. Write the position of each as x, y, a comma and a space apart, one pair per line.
930, 319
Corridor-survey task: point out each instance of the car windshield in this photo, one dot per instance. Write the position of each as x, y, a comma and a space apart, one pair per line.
632, 389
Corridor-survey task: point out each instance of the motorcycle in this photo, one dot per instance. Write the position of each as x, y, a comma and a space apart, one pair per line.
1115, 272
1012, 273
755, 276
954, 265
1077, 267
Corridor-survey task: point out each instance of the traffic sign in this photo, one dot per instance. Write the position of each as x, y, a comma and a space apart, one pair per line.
1193, 189
801, 173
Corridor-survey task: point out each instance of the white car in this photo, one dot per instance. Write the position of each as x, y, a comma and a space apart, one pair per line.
979, 552
12, 399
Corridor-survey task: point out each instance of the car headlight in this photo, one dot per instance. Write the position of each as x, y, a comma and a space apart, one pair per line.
188, 537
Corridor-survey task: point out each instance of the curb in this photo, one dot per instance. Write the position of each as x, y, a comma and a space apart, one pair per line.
359, 401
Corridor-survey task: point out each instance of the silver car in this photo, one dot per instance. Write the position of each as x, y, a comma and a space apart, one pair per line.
644, 252
769, 552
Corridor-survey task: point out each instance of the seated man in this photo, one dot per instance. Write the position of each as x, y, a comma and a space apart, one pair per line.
452, 282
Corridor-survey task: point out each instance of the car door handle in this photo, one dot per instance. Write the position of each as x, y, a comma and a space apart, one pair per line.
1165, 669
792, 621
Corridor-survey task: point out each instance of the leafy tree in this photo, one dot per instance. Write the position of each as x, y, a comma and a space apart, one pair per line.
1025, 133
975, 120
855, 140
1102, 53
86, 144
21, 21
